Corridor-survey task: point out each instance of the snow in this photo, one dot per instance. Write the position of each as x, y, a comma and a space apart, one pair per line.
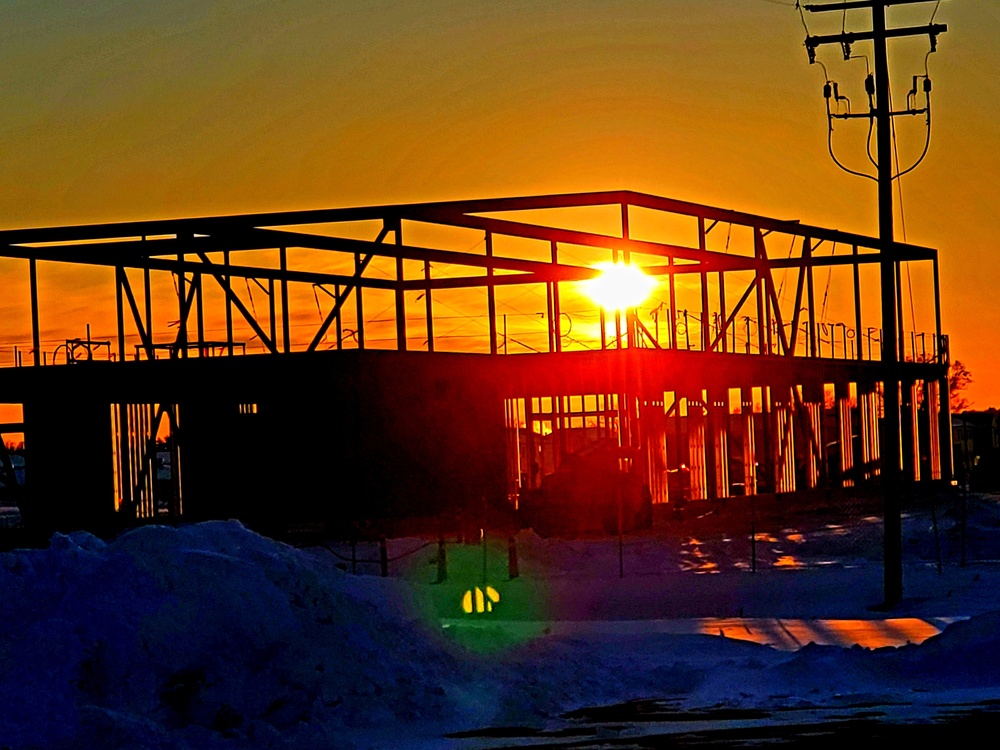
211, 636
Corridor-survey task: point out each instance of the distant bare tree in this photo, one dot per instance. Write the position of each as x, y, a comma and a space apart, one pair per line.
959, 379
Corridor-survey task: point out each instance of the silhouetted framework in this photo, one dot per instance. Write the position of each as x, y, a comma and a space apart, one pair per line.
338, 364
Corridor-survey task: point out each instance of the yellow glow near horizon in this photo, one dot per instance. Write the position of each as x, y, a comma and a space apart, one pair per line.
619, 286
463, 100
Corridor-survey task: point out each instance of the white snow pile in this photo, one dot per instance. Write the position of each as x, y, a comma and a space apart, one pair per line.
211, 636
962, 664
207, 636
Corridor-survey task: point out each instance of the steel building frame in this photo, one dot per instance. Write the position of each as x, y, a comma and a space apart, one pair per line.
728, 374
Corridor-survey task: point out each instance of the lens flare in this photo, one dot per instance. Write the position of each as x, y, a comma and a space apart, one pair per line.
619, 286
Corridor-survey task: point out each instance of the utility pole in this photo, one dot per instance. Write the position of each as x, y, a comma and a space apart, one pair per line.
881, 112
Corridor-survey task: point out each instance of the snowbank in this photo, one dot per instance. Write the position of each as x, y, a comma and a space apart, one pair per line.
211, 636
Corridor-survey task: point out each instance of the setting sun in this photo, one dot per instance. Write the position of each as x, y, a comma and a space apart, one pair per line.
619, 286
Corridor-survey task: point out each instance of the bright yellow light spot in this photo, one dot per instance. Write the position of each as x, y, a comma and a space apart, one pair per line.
480, 601
619, 286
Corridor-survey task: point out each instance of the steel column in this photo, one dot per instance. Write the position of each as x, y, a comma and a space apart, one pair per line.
35, 336
400, 298
285, 320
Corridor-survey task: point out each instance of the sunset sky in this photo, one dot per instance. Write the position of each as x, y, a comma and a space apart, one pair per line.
117, 110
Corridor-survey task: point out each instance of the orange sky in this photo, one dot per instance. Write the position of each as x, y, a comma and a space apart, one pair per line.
117, 110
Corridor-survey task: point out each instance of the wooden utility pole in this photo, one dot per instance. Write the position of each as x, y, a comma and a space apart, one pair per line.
881, 112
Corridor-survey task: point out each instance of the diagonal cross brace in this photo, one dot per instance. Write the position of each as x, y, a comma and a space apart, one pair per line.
772, 294
645, 331
147, 343
232, 297
732, 316
347, 291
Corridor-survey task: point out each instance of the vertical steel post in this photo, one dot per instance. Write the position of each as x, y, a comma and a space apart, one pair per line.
673, 306
630, 327
182, 335
359, 301
428, 307
944, 430
491, 296
857, 304
703, 277
722, 311
900, 327
482, 542
400, 298
285, 321
201, 314
529, 418
556, 309
338, 323
119, 272
442, 561
812, 302
937, 311
148, 299
229, 305
760, 292
272, 313
35, 336
513, 568
549, 318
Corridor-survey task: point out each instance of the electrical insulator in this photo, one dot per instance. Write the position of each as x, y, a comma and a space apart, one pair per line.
827, 92
912, 94
927, 85
870, 85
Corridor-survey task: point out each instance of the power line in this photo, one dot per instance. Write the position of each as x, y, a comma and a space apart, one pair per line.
881, 115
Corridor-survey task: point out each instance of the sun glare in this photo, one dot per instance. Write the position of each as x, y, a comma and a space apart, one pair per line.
619, 286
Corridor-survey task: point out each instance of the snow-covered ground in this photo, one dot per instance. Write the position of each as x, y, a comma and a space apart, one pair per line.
211, 636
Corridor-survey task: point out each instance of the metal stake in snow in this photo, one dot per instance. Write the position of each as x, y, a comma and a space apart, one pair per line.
482, 543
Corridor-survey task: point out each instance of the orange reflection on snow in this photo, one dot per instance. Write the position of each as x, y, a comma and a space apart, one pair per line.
794, 634
788, 561
695, 560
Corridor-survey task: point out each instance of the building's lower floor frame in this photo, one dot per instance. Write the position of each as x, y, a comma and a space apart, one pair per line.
330, 438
